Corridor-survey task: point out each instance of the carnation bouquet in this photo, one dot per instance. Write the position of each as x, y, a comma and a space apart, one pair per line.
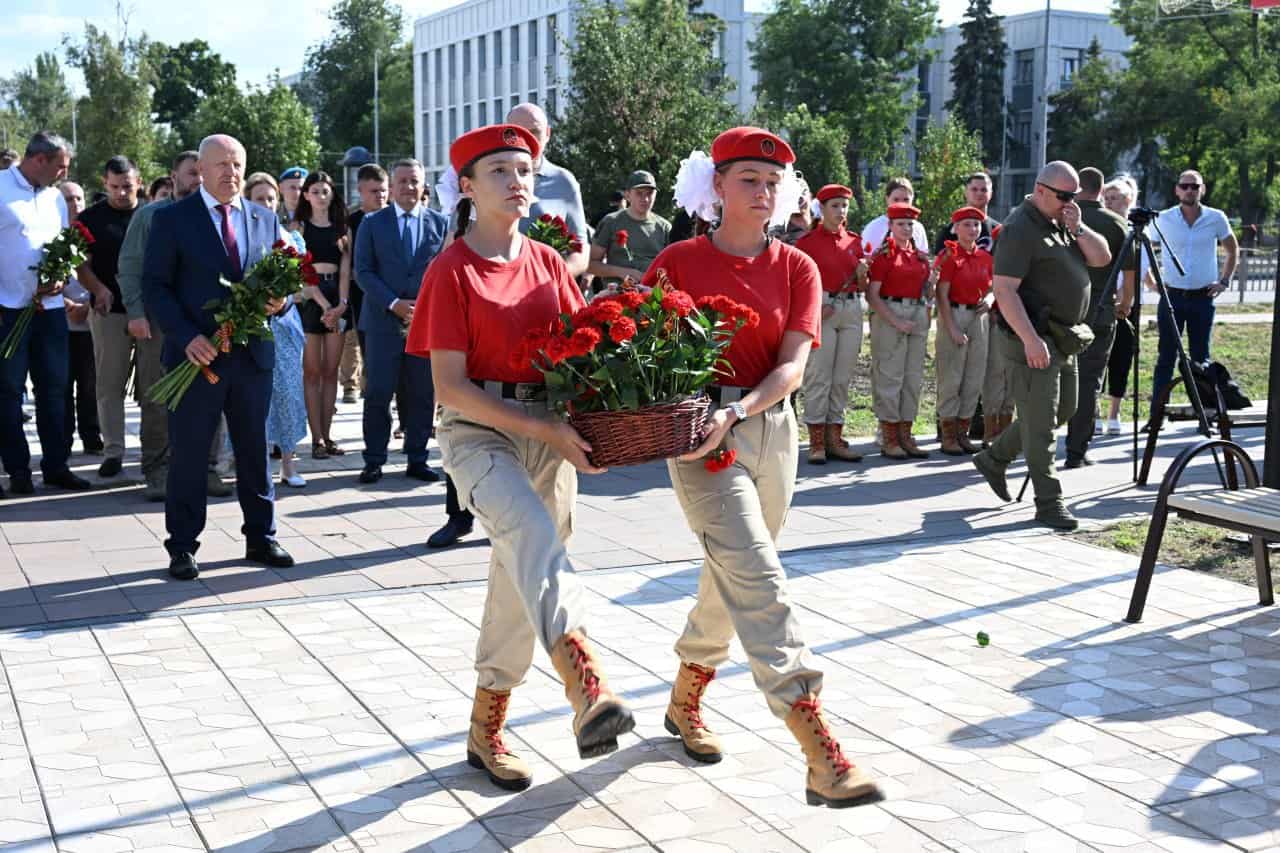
58, 261
630, 368
242, 315
554, 231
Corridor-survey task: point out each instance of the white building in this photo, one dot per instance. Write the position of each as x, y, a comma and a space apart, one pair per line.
1032, 74
475, 61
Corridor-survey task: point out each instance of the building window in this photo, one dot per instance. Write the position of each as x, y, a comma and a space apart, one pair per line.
1071, 67
552, 105
1022, 131
453, 123
439, 76
450, 88
484, 113
466, 70
553, 37
922, 78
533, 97
439, 136
497, 49
515, 57
1024, 67
497, 110
466, 119
515, 99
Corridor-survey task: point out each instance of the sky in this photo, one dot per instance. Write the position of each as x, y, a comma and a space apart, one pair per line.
260, 37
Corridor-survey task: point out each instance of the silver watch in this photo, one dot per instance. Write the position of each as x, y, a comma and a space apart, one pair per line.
739, 410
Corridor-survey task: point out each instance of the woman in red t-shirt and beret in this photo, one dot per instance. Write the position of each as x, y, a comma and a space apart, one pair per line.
512, 460
964, 305
738, 511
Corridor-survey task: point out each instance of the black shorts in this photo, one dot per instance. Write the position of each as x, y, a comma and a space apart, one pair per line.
313, 315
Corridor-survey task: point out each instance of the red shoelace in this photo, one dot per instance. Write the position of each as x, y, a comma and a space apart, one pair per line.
693, 702
582, 662
493, 727
835, 755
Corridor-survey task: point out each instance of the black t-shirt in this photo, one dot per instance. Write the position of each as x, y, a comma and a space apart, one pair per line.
356, 296
108, 226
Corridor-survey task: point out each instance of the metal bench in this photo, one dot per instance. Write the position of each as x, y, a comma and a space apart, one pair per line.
1253, 509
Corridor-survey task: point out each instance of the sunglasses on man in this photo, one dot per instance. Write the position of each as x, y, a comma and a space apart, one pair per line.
1063, 196
1188, 186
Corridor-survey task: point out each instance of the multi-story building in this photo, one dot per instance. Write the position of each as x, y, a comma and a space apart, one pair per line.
1035, 68
475, 61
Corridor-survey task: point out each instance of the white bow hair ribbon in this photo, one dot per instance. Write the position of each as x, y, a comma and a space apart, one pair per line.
695, 188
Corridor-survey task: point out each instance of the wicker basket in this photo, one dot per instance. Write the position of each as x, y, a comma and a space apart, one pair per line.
642, 435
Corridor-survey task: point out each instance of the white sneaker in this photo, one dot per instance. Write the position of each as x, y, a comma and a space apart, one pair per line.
1097, 427
1113, 426
295, 481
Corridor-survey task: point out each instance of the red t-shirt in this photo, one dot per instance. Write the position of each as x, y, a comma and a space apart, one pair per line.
837, 256
969, 274
484, 308
901, 272
781, 283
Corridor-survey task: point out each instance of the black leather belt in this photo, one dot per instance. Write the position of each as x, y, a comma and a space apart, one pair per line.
522, 391
1197, 292
964, 304
723, 395
903, 299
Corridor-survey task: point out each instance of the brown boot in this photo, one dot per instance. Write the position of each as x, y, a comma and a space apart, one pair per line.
832, 780
838, 448
817, 444
908, 441
990, 429
962, 436
486, 750
950, 444
1006, 420
684, 714
599, 716
889, 441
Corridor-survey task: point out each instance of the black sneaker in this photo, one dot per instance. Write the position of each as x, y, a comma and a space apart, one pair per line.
110, 467
371, 474
65, 479
20, 484
1078, 461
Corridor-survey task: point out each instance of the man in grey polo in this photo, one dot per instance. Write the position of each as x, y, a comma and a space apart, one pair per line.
555, 189
627, 241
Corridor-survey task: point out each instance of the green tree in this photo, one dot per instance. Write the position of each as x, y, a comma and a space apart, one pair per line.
818, 143
977, 78
187, 74
947, 153
853, 62
1080, 116
338, 77
275, 127
644, 91
41, 94
115, 117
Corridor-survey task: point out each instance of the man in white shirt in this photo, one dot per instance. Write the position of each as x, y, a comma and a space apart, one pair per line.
32, 212
1192, 231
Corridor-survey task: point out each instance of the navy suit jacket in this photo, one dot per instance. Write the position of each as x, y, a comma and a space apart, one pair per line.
382, 270
183, 262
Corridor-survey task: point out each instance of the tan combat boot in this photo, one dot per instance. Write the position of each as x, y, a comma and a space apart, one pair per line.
908, 441
486, 750
817, 445
684, 714
990, 429
838, 448
962, 436
1006, 420
832, 780
889, 441
950, 442
599, 716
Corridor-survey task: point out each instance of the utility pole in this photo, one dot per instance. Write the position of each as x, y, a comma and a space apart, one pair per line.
1044, 92
377, 146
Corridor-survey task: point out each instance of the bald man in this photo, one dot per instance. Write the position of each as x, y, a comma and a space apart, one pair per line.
555, 188
194, 243
1042, 284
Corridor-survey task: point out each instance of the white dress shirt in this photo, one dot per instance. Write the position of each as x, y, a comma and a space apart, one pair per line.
413, 222
877, 229
1196, 245
29, 218
238, 224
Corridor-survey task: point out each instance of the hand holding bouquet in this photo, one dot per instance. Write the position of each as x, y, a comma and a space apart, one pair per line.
58, 262
554, 231
242, 315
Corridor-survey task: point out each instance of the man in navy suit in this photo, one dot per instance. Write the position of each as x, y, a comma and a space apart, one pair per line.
213, 234
393, 248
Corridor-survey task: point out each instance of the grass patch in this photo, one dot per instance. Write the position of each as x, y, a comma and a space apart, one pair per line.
1186, 544
1228, 307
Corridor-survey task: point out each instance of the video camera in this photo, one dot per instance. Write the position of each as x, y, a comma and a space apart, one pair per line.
1142, 216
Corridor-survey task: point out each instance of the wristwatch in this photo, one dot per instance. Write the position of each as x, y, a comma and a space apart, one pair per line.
739, 410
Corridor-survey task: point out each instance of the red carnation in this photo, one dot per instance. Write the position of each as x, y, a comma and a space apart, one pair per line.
84, 232
720, 460
677, 301
584, 341
306, 259
558, 349
291, 251
622, 238
546, 217
575, 245
622, 330
606, 310
749, 317
279, 244
632, 299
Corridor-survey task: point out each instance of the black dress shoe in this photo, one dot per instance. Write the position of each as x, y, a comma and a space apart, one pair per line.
109, 467
1080, 462
371, 474
92, 448
454, 529
183, 567
423, 473
22, 485
67, 479
269, 553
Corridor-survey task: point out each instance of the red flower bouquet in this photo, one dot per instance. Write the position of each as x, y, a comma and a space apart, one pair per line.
242, 315
554, 231
58, 261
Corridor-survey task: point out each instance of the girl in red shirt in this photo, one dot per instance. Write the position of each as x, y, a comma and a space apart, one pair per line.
964, 305
838, 254
899, 293
738, 511
512, 460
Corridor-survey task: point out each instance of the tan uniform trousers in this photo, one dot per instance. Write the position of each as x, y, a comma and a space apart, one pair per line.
829, 370
350, 364
897, 363
961, 370
997, 384
737, 515
113, 352
523, 494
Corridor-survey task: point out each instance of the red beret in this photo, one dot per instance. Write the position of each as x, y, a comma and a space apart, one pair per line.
968, 213
751, 143
470, 147
831, 191
902, 211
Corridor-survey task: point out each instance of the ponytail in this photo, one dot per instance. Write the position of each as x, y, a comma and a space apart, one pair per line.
463, 212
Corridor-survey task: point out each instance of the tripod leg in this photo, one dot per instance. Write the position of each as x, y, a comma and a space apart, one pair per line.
1025, 482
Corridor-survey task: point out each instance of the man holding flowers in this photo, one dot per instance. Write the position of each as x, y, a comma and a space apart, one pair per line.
627, 241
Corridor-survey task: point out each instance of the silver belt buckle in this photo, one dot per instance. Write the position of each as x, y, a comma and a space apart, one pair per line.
527, 392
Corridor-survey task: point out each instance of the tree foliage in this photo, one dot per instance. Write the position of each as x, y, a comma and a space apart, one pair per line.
187, 74
645, 90
977, 78
1080, 114
41, 95
947, 153
275, 127
852, 62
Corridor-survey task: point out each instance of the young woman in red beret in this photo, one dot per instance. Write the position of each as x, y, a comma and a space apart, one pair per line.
738, 511
838, 254
964, 303
900, 289
512, 460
